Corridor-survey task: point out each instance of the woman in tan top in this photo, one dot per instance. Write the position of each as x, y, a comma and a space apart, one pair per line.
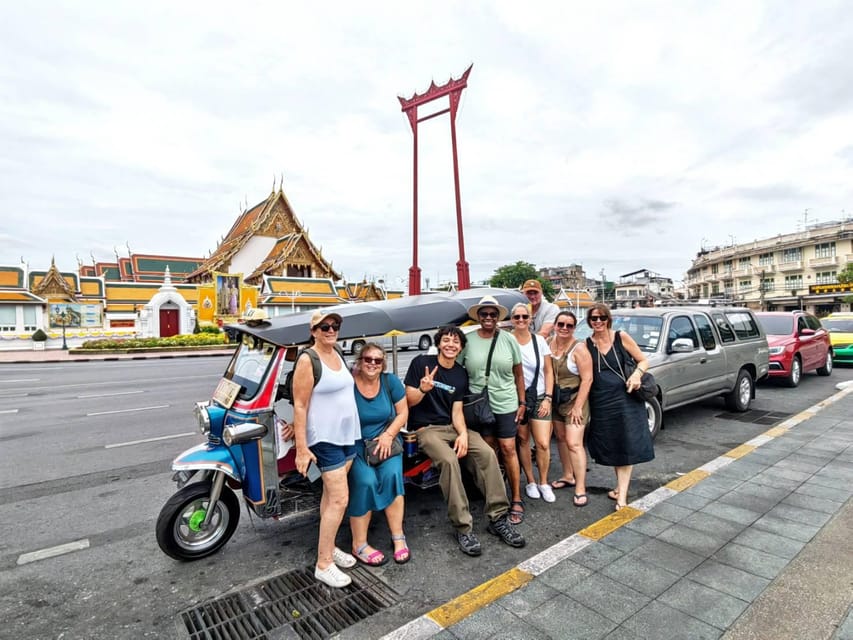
573, 371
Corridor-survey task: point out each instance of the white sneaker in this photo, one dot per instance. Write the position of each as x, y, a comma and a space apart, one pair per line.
532, 491
343, 559
332, 576
547, 492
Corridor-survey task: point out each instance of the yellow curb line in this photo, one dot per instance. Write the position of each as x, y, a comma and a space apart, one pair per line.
687, 480
461, 607
740, 452
775, 432
609, 524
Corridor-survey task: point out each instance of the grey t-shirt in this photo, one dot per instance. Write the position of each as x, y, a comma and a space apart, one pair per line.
547, 313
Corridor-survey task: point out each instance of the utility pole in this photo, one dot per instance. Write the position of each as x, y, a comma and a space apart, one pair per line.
761, 290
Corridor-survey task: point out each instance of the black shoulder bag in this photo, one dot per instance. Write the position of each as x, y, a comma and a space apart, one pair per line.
475, 406
370, 444
648, 387
531, 395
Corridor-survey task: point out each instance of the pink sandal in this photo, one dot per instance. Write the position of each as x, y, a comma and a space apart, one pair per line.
403, 555
375, 559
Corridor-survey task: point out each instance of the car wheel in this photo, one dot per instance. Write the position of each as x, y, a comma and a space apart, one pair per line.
793, 378
654, 416
424, 343
826, 369
357, 346
740, 397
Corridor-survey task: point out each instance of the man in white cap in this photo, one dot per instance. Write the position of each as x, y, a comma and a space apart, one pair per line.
544, 313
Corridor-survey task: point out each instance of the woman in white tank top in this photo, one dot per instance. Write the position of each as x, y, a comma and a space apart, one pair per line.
326, 426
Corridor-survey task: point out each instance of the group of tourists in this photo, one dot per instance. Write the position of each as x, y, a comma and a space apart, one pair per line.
535, 377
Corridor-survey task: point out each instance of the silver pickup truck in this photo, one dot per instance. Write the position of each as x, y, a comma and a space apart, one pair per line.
696, 353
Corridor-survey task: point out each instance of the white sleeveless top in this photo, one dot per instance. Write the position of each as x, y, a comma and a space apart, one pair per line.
332, 413
571, 365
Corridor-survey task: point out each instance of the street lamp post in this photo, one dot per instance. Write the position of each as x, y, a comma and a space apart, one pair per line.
64, 317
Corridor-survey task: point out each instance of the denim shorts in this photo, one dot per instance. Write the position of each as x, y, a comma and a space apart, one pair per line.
332, 456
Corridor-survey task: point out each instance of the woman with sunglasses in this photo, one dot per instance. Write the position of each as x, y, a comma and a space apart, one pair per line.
506, 389
619, 432
326, 427
383, 412
537, 419
573, 371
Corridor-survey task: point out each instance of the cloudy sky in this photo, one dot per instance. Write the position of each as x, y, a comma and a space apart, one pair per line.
619, 137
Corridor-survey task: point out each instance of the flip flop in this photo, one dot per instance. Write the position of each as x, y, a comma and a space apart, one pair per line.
580, 496
612, 494
516, 516
562, 483
375, 559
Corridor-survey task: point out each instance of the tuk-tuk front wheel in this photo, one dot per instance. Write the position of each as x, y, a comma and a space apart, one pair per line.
180, 533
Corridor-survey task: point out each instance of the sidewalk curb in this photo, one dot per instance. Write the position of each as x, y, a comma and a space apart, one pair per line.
448, 614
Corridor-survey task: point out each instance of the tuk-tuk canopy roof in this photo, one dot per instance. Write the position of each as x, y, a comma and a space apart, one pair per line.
361, 319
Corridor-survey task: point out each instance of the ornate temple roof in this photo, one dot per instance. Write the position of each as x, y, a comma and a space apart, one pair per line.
271, 218
53, 284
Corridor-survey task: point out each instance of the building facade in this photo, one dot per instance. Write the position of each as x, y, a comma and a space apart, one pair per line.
642, 288
786, 272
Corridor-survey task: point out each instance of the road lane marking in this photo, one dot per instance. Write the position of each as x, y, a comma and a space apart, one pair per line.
20, 380
9, 411
132, 442
50, 552
14, 395
106, 383
105, 395
104, 413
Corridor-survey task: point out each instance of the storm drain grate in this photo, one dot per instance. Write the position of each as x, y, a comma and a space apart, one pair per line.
755, 416
292, 605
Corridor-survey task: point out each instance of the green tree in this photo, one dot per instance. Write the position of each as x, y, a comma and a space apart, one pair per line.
512, 276
845, 276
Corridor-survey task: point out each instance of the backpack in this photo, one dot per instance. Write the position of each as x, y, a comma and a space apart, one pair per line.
285, 390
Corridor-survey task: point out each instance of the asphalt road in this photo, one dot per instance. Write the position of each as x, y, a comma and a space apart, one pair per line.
84, 461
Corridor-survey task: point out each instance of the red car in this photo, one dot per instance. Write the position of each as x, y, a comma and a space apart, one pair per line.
798, 343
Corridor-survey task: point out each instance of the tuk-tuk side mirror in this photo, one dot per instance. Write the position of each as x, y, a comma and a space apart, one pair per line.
290, 354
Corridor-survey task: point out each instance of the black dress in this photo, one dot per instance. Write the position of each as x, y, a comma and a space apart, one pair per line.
619, 431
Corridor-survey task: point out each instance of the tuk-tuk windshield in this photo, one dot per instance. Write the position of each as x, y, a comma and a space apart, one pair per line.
250, 364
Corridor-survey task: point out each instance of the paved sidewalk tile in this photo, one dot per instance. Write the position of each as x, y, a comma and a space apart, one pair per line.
730, 512
787, 528
669, 511
564, 575
748, 500
707, 604
649, 525
563, 615
743, 469
799, 515
722, 577
770, 542
667, 556
702, 543
640, 576
662, 622
720, 526
754, 561
625, 539
597, 555
484, 624
762, 491
811, 502
820, 491
689, 500
522, 601
611, 599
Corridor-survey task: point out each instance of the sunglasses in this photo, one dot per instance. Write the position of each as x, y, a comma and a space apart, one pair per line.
565, 325
598, 318
369, 360
518, 316
328, 326
488, 314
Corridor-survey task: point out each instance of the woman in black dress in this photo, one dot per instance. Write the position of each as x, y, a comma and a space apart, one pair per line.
619, 433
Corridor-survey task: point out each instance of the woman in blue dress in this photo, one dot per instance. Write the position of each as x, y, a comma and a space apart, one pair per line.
383, 412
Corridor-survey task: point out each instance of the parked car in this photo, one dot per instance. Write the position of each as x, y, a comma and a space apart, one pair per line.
696, 353
422, 341
840, 327
798, 343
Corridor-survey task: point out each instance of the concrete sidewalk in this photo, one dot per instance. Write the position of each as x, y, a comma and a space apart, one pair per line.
58, 355
755, 544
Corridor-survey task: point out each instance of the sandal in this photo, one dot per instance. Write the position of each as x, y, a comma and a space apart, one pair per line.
401, 556
619, 506
562, 483
375, 559
516, 515
580, 496
612, 495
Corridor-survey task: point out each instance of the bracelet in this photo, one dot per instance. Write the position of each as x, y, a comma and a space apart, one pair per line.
422, 391
548, 395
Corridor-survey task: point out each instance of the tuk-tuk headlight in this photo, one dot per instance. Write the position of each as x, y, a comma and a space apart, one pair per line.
203, 417
239, 433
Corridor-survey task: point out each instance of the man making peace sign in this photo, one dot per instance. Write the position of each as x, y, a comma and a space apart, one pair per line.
435, 386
